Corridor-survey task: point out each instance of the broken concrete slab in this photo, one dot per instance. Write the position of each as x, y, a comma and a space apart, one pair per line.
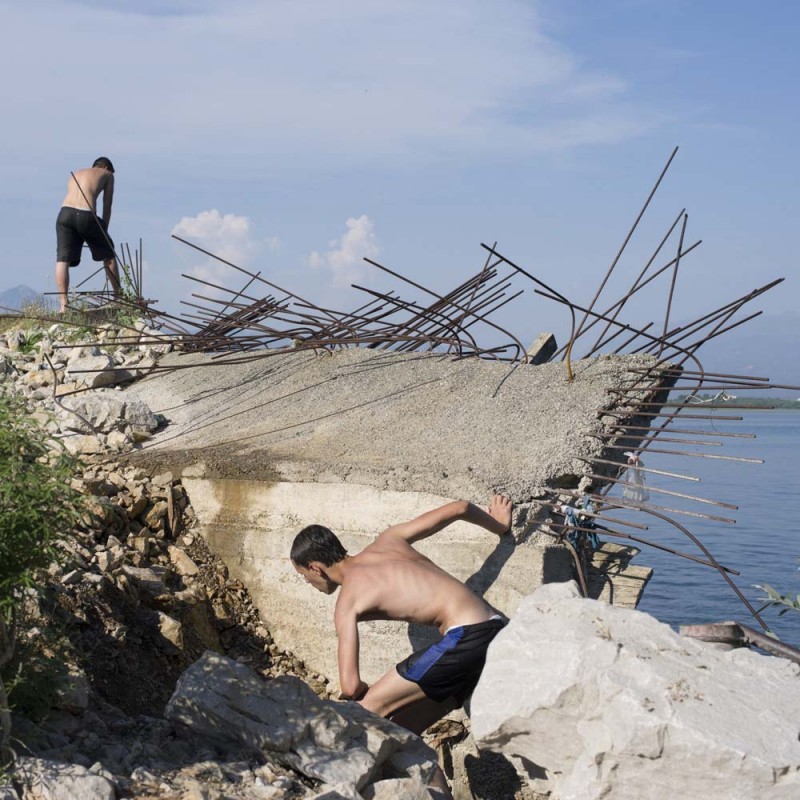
361, 439
425, 423
542, 349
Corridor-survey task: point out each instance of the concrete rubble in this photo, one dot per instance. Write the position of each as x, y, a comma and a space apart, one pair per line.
57, 362
608, 702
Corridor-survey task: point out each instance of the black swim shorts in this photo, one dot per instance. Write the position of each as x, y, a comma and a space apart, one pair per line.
74, 226
451, 667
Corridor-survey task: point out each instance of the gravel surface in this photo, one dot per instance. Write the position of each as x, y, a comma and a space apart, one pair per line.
404, 422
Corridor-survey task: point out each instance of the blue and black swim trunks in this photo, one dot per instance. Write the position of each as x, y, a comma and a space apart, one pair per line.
451, 667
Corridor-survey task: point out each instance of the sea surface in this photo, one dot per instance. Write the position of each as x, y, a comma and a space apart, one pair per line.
764, 542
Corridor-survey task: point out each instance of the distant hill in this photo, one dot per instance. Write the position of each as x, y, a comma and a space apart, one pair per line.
23, 295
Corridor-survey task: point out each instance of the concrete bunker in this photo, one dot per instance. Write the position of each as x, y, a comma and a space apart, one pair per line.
360, 439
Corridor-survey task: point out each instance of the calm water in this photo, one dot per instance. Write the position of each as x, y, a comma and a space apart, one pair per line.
763, 544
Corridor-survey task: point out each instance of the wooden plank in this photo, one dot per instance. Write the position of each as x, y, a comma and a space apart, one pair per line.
614, 579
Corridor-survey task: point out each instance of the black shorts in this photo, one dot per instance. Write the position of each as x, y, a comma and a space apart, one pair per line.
451, 667
74, 226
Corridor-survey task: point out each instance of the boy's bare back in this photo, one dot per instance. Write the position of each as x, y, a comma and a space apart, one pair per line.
389, 579
92, 181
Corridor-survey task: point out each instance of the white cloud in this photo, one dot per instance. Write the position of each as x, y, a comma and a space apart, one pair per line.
228, 236
412, 79
344, 258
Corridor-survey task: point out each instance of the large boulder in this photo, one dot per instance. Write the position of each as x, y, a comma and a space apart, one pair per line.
612, 703
103, 412
96, 371
336, 743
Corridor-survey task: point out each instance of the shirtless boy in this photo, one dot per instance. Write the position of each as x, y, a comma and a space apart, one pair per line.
389, 579
77, 223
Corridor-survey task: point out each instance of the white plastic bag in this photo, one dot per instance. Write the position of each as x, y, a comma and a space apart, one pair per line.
637, 492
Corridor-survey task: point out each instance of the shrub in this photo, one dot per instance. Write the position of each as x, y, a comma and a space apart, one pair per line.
37, 507
773, 598
37, 502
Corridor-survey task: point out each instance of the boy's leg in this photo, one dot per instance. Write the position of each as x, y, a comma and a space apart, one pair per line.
421, 714
112, 271
62, 283
390, 693
403, 702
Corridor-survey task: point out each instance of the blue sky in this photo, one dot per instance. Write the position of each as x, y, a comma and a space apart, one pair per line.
296, 137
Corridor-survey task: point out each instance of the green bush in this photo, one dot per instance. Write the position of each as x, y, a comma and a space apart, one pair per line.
37, 508
37, 503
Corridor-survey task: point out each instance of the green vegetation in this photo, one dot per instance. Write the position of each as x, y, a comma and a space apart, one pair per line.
37, 507
774, 599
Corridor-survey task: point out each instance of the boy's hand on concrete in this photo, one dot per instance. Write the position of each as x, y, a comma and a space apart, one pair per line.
500, 508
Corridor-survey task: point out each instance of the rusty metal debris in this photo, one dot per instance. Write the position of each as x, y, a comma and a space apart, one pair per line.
262, 319
738, 635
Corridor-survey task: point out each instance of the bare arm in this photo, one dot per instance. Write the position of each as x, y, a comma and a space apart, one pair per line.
497, 519
346, 621
108, 199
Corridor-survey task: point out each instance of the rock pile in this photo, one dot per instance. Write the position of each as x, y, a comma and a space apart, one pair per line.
135, 601
54, 367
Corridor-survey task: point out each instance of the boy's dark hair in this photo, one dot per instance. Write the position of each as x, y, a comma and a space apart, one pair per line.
105, 163
317, 543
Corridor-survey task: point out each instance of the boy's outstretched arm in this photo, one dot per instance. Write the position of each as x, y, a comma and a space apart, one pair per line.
346, 620
496, 519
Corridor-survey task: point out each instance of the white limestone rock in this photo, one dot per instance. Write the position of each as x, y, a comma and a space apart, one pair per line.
15, 340
612, 703
103, 411
155, 341
82, 352
37, 378
182, 562
139, 416
171, 630
53, 780
396, 789
226, 701
85, 444
117, 440
96, 371
341, 791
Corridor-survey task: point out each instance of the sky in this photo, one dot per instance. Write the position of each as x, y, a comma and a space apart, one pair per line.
295, 138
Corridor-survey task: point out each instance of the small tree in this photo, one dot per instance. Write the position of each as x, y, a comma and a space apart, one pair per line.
37, 506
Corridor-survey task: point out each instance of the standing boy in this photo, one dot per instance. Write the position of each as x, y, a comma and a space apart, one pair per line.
78, 222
